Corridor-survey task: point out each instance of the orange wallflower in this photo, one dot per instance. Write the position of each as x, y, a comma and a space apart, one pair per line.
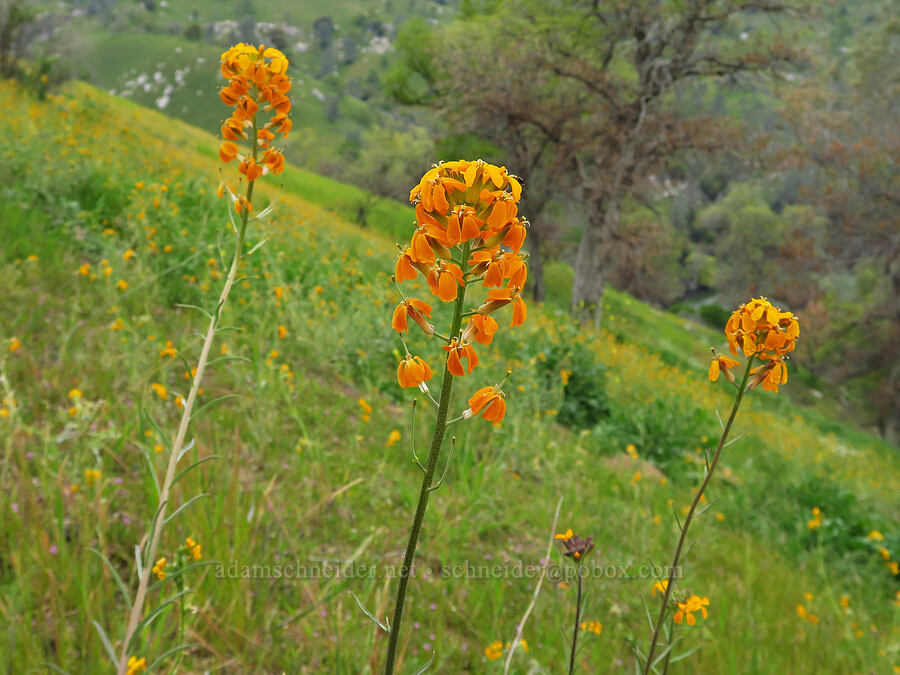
256, 83
444, 280
489, 402
481, 329
413, 372
759, 328
415, 310
227, 151
721, 364
686, 609
458, 351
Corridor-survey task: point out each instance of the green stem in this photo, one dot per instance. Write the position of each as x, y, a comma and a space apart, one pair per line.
440, 429
577, 622
673, 570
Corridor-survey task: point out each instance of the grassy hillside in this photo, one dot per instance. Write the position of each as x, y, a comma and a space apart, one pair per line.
306, 478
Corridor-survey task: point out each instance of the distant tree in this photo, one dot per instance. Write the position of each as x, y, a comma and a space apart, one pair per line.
193, 32
846, 140
323, 29
15, 19
411, 78
610, 71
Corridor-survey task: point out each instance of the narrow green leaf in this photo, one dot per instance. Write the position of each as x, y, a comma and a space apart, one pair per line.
375, 620
150, 618
427, 665
166, 655
195, 464
151, 467
214, 401
106, 643
116, 577
181, 508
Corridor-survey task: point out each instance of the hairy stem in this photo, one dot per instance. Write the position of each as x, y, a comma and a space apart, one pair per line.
440, 428
673, 570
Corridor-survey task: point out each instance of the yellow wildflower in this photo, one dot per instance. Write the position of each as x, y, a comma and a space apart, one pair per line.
136, 665
159, 569
160, 390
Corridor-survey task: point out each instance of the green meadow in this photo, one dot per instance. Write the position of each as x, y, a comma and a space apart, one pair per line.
112, 237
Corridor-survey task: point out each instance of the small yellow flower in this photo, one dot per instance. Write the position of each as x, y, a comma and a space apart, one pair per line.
160, 390
85, 270
159, 569
660, 586
632, 451
636, 478
91, 476
169, 350
193, 548
875, 535
567, 535
494, 650
158, 448
594, 627
128, 255
14, 344
366, 409
136, 665
564, 375
122, 285
282, 332
118, 324
816, 520
75, 394
393, 437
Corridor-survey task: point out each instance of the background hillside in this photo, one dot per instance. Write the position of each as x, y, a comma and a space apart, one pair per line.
307, 472
807, 164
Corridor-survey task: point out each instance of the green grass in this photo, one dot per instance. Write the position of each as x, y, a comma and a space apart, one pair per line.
303, 479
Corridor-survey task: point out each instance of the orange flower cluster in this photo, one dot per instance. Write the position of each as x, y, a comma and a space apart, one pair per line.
468, 230
759, 329
256, 78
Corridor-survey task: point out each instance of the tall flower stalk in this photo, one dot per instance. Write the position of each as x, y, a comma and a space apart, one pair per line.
256, 79
764, 333
468, 232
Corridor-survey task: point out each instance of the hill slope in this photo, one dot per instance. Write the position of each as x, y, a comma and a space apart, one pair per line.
307, 480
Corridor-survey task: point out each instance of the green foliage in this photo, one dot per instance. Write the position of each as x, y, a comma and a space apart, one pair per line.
410, 79
585, 401
714, 315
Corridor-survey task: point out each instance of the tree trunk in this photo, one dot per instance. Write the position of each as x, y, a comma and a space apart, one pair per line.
536, 262
588, 284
